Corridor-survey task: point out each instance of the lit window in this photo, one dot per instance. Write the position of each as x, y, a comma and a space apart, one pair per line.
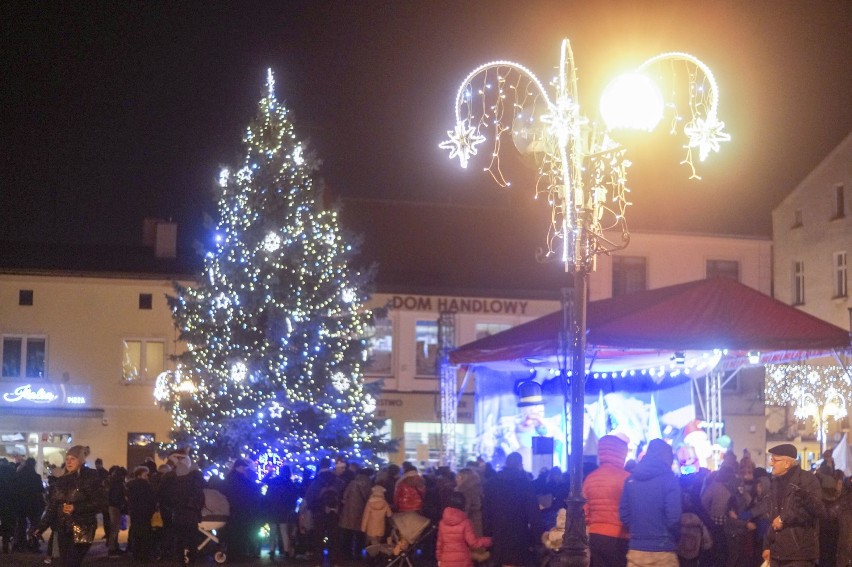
380, 347
628, 275
426, 347
143, 360
798, 283
487, 329
24, 357
840, 277
723, 269
423, 443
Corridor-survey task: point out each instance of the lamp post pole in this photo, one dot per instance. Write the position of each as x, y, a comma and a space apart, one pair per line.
582, 173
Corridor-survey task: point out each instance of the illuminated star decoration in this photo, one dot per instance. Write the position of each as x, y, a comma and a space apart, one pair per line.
462, 143
276, 410
706, 135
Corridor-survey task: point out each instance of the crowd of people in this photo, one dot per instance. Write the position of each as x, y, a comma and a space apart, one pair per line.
637, 512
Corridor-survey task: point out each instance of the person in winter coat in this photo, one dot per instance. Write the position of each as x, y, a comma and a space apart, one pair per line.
117, 505
7, 511
602, 490
456, 536
844, 521
281, 497
182, 499
243, 495
410, 491
650, 508
796, 507
141, 503
76, 499
29, 503
510, 513
322, 498
376, 512
355, 497
469, 484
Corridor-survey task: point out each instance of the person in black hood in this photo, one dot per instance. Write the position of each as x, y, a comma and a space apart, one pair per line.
182, 498
650, 508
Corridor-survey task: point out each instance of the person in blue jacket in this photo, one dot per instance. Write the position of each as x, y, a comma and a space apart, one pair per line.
650, 507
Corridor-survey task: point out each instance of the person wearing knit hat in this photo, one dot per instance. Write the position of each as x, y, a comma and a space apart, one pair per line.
650, 508
795, 509
602, 490
71, 513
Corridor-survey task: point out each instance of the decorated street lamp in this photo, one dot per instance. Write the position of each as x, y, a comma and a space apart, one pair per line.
582, 172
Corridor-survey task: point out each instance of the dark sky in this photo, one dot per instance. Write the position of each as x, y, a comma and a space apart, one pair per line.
113, 111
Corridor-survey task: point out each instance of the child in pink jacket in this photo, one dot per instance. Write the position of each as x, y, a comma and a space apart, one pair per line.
456, 536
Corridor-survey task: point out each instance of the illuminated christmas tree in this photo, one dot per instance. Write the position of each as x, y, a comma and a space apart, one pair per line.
275, 328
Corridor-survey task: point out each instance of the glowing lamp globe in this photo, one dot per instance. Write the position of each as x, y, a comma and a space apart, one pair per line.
633, 102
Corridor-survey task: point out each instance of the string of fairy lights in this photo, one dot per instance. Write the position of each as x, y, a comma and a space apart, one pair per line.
275, 330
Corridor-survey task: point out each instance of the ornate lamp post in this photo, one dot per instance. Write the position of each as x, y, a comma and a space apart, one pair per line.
582, 172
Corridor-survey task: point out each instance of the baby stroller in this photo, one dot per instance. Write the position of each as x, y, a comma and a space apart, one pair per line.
214, 516
408, 530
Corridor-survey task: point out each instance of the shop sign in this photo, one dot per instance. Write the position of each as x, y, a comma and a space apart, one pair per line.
51, 395
459, 304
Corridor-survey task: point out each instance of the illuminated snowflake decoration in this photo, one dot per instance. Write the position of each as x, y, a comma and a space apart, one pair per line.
706, 135
340, 382
561, 118
276, 410
239, 371
298, 155
272, 242
348, 295
462, 143
369, 403
224, 176
163, 386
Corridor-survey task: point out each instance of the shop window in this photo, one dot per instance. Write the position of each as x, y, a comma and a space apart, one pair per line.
25, 297
629, 275
24, 356
723, 269
487, 329
426, 347
146, 301
840, 274
144, 360
423, 443
380, 347
798, 283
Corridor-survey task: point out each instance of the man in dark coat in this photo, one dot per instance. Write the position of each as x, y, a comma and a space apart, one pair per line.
795, 509
182, 498
510, 514
650, 509
243, 494
29, 500
141, 503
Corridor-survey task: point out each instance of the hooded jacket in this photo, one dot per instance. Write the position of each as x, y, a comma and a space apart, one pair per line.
354, 499
602, 489
456, 538
375, 513
650, 504
409, 493
182, 491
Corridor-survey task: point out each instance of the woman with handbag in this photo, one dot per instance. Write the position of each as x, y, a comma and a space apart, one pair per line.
74, 503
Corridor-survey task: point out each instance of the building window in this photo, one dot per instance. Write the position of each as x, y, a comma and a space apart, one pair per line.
25, 297
840, 277
628, 275
798, 283
797, 218
426, 347
839, 202
380, 347
423, 443
146, 301
487, 329
723, 269
23, 357
143, 360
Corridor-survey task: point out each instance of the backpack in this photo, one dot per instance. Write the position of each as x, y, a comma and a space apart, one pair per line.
694, 537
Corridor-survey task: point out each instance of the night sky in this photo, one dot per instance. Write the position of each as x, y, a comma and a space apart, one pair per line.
114, 111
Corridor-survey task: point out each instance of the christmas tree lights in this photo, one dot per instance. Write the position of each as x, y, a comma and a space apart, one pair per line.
275, 327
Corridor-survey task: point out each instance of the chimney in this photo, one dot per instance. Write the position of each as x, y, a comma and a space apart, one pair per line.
161, 235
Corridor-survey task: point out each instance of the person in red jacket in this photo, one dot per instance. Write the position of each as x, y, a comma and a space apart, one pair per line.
456, 536
410, 490
608, 538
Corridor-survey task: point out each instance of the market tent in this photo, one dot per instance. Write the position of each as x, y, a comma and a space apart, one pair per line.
646, 329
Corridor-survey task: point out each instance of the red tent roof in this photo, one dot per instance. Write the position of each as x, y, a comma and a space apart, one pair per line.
703, 315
